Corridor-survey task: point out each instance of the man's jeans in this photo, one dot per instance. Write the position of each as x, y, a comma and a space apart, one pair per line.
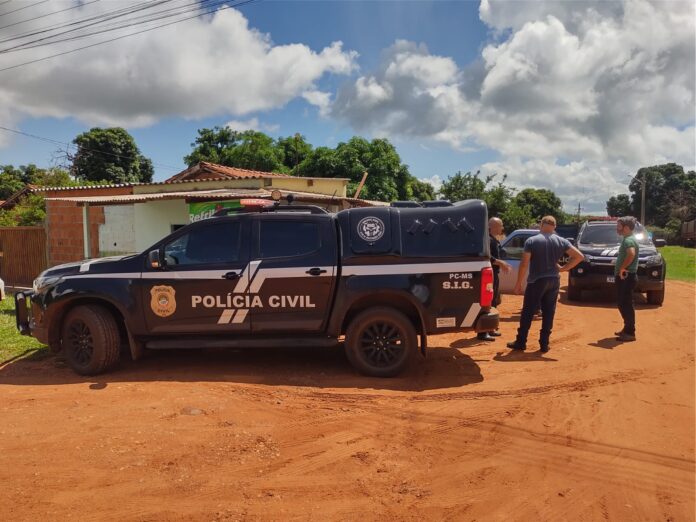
542, 293
624, 298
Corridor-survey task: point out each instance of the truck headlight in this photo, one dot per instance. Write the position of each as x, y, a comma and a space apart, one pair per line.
42, 282
654, 260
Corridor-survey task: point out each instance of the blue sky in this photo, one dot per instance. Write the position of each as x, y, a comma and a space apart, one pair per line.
538, 91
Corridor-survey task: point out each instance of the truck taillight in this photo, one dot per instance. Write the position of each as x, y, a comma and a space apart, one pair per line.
486, 287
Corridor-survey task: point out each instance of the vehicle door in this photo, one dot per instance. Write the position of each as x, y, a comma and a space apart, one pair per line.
513, 246
200, 289
296, 259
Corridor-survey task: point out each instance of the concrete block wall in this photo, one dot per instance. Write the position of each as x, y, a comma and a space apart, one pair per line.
64, 229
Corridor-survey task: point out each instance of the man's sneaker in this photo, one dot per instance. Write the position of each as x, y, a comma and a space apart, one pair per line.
618, 333
485, 337
543, 348
514, 345
495, 334
626, 338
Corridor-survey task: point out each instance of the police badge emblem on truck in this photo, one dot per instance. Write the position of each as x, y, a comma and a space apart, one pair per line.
163, 302
371, 229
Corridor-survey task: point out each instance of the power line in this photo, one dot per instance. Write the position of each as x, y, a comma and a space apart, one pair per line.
150, 17
5, 2
238, 4
105, 16
23, 8
67, 144
47, 14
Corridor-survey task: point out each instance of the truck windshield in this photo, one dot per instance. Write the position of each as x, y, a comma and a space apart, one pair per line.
606, 235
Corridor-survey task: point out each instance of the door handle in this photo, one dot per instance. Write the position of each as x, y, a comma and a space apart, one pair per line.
315, 271
231, 275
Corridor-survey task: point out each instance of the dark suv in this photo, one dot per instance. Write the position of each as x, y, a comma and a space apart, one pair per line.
599, 242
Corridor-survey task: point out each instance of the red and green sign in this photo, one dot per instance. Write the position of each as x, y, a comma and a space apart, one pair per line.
198, 211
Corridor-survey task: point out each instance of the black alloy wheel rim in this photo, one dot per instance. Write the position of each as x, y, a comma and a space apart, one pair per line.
382, 344
80, 342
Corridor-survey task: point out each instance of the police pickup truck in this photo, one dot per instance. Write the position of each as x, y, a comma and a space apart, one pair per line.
284, 275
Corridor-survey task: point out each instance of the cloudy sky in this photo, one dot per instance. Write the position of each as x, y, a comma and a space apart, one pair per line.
572, 96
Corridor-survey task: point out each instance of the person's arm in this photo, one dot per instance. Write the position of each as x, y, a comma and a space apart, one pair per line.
522, 271
576, 258
505, 266
630, 256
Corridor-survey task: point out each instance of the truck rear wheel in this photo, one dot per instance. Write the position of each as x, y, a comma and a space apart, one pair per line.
381, 342
656, 297
90, 339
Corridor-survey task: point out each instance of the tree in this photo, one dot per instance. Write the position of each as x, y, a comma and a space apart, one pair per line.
665, 186
540, 202
255, 151
212, 145
29, 211
498, 197
516, 217
109, 155
464, 186
618, 206
294, 150
388, 179
422, 191
10, 181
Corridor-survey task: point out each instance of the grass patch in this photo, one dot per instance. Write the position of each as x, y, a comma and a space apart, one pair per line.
12, 344
681, 262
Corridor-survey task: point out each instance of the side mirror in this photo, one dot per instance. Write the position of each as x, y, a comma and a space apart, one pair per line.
503, 254
571, 240
659, 243
153, 259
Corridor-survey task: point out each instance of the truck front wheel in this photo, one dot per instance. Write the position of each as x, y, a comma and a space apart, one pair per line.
656, 297
90, 339
381, 342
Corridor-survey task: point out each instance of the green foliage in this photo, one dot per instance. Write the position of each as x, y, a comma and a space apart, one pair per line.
516, 217
540, 202
422, 191
255, 151
294, 150
618, 206
10, 181
464, 186
28, 212
110, 155
670, 193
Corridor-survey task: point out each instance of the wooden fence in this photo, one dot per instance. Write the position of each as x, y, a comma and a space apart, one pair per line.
22, 254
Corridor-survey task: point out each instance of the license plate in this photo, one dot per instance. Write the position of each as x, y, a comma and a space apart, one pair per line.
611, 279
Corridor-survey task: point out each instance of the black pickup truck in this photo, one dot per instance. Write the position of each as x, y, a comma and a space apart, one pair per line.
277, 276
599, 242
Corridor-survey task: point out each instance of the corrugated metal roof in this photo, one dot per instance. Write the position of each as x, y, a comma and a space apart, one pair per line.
210, 195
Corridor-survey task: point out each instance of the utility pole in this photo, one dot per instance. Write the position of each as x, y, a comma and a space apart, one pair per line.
642, 182
579, 209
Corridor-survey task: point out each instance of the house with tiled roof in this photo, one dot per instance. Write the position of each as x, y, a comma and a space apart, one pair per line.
93, 221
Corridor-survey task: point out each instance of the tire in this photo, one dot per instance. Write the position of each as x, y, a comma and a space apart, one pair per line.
656, 297
573, 292
90, 339
381, 342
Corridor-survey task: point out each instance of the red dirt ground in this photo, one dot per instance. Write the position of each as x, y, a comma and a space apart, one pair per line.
592, 430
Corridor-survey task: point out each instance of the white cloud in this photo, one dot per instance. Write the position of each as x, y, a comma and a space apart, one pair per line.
319, 99
251, 124
574, 95
435, 181
203, 67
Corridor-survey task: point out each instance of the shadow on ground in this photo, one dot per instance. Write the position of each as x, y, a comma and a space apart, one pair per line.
443, 367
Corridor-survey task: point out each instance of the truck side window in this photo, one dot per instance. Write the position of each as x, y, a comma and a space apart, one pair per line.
288, 238
213, 243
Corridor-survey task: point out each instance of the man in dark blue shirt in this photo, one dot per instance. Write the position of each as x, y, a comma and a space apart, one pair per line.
541, 255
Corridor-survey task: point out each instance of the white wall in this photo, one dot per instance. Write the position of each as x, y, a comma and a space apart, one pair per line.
117, 234
154, 220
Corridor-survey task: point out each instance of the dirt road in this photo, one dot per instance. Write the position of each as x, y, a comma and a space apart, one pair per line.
592, 430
